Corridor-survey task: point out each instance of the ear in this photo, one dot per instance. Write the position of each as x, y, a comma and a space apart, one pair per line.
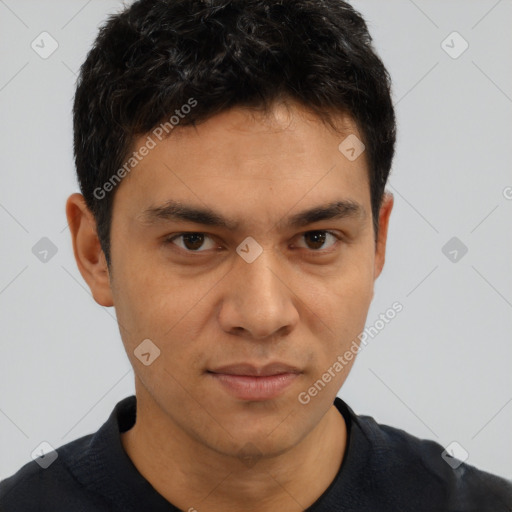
380, 248
89, 255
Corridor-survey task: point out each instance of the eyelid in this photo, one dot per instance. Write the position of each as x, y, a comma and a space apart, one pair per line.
169, 240
335, 234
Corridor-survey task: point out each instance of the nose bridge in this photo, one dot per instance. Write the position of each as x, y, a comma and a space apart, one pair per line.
257, 299
259, 278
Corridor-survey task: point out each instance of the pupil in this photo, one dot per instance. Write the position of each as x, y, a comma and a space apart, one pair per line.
195, 239
318, 238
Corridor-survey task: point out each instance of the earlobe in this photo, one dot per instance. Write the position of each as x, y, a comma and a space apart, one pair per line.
384, 214
87, 249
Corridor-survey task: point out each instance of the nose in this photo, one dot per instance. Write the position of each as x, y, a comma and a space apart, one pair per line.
258, 303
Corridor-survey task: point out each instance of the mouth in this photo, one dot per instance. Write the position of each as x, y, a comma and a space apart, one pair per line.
252, 383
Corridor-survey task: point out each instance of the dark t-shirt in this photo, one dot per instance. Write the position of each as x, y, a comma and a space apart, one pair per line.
384, 469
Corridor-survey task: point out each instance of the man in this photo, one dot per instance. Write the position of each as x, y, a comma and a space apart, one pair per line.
233, 156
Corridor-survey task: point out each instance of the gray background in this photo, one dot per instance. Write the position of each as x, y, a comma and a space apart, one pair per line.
440, 369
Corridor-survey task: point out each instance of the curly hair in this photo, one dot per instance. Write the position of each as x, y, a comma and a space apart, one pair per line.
154, 56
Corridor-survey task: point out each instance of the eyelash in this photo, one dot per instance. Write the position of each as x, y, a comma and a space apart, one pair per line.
170, 239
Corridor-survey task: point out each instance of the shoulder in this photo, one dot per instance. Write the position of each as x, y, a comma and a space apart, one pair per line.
424, 468
79, 476
48, 487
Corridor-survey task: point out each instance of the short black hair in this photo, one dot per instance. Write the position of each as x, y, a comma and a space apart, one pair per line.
157, 56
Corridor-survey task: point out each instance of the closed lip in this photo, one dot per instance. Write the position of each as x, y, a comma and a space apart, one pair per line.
276, 368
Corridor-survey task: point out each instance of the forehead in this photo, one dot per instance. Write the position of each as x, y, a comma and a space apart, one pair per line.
247, 160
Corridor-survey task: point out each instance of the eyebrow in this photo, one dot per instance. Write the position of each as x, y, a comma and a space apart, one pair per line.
179, 212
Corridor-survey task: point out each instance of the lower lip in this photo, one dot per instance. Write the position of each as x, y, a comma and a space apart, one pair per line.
247, 387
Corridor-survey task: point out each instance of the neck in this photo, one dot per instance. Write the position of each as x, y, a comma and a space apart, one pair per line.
192, 476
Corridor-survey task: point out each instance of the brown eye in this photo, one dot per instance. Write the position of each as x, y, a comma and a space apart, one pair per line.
316, 240
191, 242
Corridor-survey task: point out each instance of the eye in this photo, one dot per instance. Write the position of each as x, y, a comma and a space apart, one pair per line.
316, 240
191, 242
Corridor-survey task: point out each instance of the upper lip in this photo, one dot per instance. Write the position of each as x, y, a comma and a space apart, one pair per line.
256, 371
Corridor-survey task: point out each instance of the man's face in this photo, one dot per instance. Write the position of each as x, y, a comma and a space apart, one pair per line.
301, 302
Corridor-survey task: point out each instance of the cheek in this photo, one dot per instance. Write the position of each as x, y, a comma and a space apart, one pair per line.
350, 289
342, 306
161, 305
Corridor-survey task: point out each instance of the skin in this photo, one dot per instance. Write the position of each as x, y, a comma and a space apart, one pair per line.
299, 303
